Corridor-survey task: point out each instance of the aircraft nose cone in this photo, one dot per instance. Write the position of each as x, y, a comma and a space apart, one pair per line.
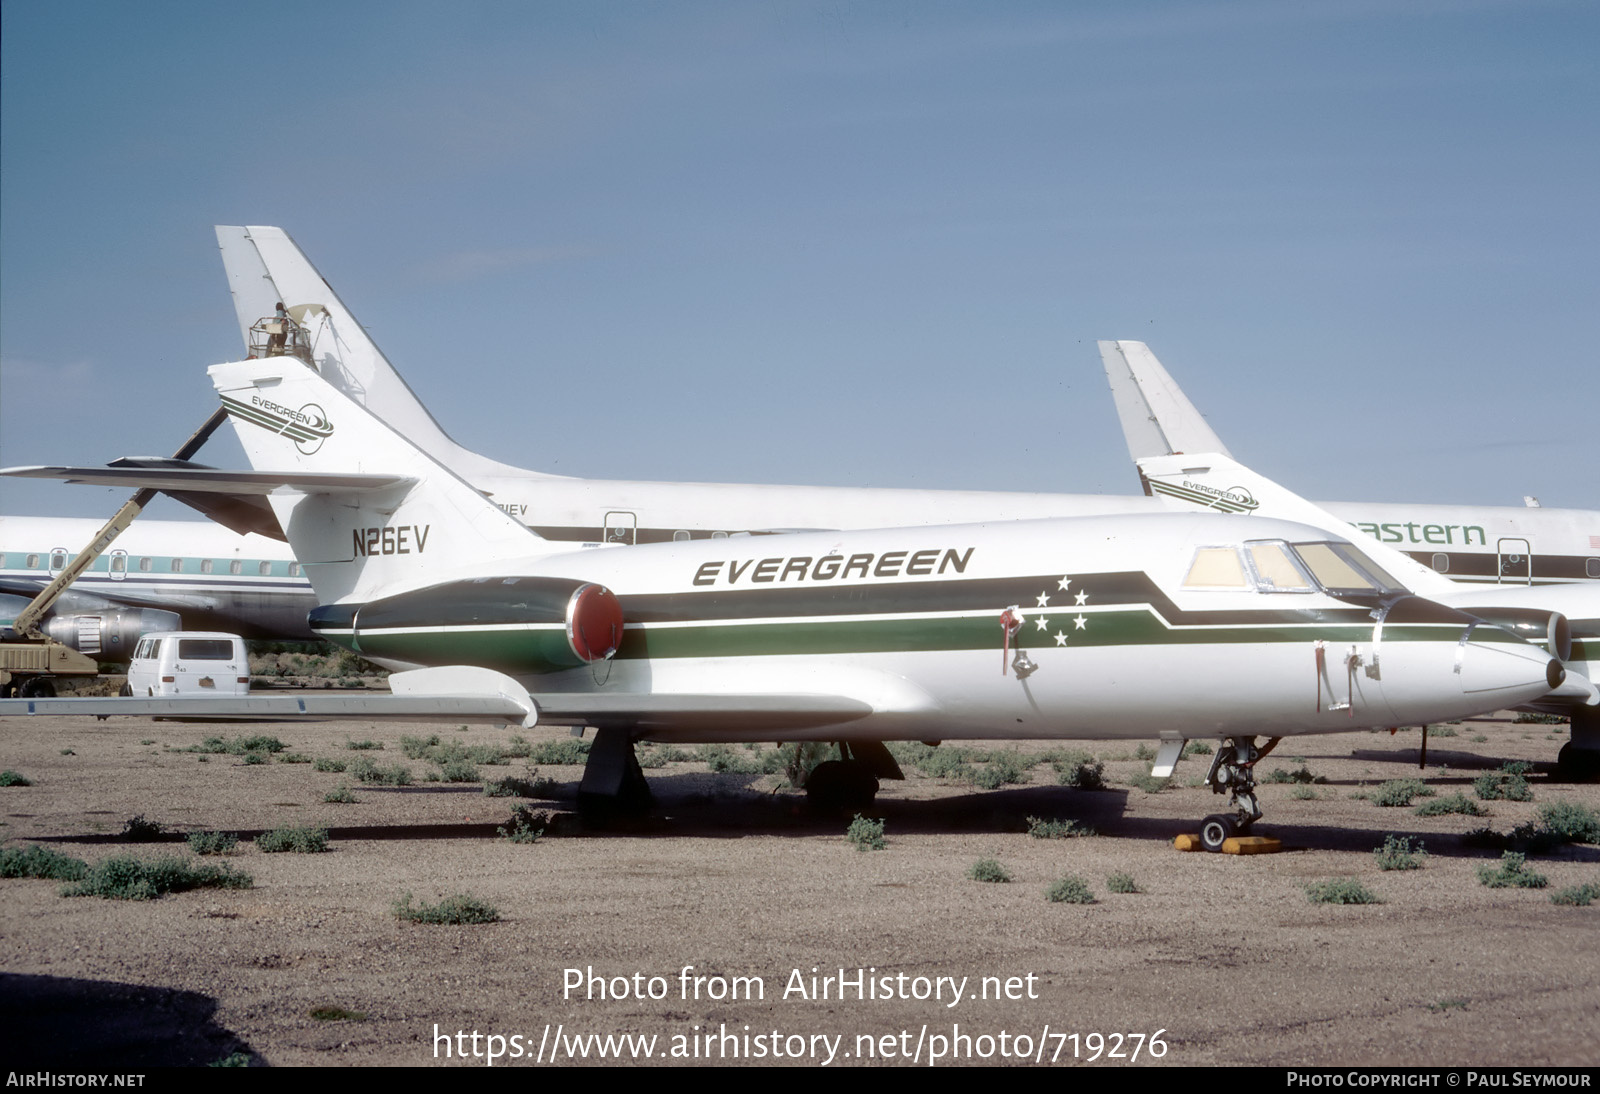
1496, 665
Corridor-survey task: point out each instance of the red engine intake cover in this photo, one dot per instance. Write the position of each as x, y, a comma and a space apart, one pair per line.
594, 623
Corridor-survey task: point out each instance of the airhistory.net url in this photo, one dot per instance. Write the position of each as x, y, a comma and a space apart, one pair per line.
555, 1045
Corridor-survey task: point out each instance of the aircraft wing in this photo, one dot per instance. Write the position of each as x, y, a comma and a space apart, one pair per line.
210, 480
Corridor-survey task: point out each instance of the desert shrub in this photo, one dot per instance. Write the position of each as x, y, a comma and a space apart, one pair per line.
1399, 792
336, 766
1507, 784
988, 869
1570, 822
865, 834
525, 826
1197, 748
336, 1014
1085, 774
303, 841
1144, 752
1040, 828
1541, 719
1303, 793
40, 862
662, 755
1450, 803
459, 771
363, 746
340, 795
380, 774
294, 758
1150, 784
534, 786
1122, 883
1301, 775
14, 778
212, 843
563, 751
124, 877
1512, 873
139, 830
459, 908
726, 760
237, 746
1342, 890
1398, 854
1071, 889
1580, 896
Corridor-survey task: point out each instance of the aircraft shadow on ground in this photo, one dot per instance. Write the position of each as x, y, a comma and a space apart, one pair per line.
61, 1024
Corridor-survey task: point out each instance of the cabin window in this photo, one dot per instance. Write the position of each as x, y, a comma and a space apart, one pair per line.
1275, 570
58, 560
119, 564
1591, 567
680, 535
1441, 562
719, 535
177, 565
145, 565
294, 569
206, 565
33, 562
236, 567
264, 569
1216, 568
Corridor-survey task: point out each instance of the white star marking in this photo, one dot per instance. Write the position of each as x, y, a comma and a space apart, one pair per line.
1080, 598
1061, 639
1042, 623
1063, 583
1044, 600
1081, 622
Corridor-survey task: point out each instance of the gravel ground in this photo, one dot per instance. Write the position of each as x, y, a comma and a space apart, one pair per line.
1215, 960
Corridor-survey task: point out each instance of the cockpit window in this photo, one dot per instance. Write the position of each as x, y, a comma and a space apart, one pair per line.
1275, 569
1340, 568
1217, 568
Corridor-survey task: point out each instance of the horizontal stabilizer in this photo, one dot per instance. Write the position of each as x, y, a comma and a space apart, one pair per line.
212, 481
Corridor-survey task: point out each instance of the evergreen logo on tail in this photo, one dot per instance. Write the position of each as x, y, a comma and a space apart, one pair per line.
307, 427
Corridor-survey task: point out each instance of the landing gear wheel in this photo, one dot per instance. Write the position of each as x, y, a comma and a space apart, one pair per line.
37, 687
841, 784
1578, 765
1215, 830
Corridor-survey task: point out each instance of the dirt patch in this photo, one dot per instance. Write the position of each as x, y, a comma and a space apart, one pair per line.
1224, 958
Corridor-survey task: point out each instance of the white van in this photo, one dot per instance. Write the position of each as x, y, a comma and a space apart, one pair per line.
188, 663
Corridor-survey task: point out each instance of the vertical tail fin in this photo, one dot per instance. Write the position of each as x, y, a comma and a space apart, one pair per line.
1157, 417
265, 268
360, 542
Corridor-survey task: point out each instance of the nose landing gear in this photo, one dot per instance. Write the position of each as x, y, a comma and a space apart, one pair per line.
1233, 772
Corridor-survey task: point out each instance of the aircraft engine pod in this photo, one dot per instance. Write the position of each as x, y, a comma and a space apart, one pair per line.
510, 624
110, 635
1531, 625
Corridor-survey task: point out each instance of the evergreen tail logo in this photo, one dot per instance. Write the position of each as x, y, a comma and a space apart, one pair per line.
1235, 499
307, 427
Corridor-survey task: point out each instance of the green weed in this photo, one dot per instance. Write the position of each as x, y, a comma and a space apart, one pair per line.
340, 795
866, 835
124, 877
1086, 774
1343, 890
363, 746
1579, 896
459, 908
139, 830
988, 869
1122, 883
212, 843
40, 862
302, 841
1512, 873
14, 778
1399, 792
336, 766
525, 826
1039, 828
1397, 854
1071, 889
1450, 803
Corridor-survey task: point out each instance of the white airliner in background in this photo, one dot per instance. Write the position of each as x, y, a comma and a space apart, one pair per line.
218, 579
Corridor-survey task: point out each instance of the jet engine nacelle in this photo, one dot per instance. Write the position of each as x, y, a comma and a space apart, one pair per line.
512, 624
112, 634
1546, 628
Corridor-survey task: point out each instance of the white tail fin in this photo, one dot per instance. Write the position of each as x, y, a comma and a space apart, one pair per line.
361, 543
265, 268
1157, 418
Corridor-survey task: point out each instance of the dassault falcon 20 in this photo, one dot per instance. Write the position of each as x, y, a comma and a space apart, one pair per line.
1171, 626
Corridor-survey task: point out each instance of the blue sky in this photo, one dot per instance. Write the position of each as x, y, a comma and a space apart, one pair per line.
854, 244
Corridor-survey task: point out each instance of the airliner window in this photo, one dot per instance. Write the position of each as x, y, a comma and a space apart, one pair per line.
1339, 567
144, 565
33, 562
1216, 568
177, 565
294, 569
58, 560
265, 569
119, 564
236, 567
205, 565
1275, 569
